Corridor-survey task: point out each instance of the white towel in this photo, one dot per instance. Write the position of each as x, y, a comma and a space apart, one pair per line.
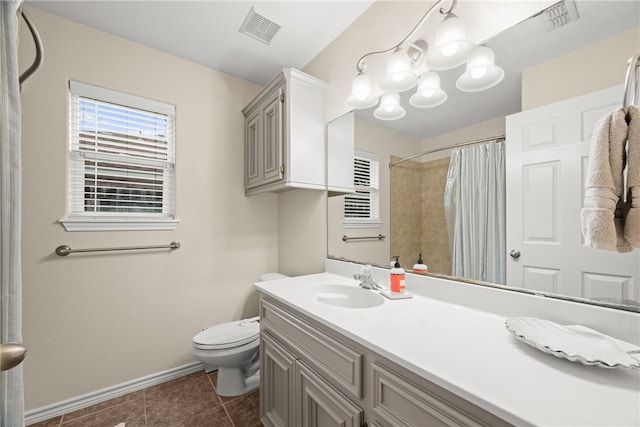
602, 214
632, 219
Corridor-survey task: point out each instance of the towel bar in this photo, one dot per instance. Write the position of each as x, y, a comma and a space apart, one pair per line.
346, 238
64, 250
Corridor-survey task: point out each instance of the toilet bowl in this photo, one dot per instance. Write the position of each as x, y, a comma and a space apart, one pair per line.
233, 349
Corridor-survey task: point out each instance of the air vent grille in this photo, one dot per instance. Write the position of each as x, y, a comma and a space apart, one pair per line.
560, 14
259, 27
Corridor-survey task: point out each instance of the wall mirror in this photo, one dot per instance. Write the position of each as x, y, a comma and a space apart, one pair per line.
412, 194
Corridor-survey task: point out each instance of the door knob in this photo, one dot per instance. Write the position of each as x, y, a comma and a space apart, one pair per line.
515, 253
11, 354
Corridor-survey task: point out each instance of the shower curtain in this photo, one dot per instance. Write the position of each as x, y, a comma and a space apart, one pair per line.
12, 399
475, 212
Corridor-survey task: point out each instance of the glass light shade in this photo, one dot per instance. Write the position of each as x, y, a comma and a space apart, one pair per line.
429, 93
451, 45
389, 108
399, 76
481, 73
361, 93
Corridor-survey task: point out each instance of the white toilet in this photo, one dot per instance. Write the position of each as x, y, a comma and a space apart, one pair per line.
233, 349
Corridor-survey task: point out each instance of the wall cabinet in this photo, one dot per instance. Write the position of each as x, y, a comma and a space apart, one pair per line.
285, 135
313, 376
341, 137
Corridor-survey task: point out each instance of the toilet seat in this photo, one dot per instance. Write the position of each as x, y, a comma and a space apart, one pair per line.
228, 335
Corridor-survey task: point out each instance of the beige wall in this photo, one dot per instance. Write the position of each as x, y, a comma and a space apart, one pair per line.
96, 320
597, 66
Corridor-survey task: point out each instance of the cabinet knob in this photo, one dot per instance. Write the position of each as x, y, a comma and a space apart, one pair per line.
515, 254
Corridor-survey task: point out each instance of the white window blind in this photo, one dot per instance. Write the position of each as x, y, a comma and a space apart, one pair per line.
122, 158
361, 209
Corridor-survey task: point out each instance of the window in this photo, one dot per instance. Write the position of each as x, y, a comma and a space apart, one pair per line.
121, 165
361, 209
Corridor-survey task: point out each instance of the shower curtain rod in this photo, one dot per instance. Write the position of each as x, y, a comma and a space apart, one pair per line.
448, 147
37, 62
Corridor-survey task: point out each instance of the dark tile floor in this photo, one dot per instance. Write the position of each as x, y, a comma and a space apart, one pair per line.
190, 401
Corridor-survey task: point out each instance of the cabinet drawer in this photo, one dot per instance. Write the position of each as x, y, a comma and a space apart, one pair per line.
400, 402
339, 364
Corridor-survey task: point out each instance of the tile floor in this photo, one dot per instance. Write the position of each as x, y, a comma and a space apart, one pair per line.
189, 401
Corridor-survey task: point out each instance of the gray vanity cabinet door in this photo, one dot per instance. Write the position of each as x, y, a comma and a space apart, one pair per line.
263, 141
320, 405
272, 138
277, 370
252, 150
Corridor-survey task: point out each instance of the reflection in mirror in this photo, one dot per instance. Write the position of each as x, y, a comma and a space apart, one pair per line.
584, 60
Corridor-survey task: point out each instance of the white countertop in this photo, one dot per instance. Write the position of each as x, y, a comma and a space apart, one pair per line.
469, 352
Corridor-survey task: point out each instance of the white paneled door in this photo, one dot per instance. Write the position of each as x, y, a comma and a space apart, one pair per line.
547, 150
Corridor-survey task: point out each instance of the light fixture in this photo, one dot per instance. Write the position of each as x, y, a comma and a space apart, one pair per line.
451, 49
389, 108
429, 93
481, 73
361, 93
399, 75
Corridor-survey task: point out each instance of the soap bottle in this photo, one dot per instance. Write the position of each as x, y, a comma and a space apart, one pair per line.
397, 277
420, 267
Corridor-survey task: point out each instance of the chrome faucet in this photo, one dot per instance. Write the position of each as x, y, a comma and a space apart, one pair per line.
366, 279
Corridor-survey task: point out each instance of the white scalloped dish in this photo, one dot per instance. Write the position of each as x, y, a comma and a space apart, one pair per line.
575, 342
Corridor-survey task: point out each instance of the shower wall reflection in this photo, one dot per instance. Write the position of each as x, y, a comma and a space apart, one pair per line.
417, 213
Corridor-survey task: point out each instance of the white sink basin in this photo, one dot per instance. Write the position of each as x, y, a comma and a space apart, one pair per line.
347, 296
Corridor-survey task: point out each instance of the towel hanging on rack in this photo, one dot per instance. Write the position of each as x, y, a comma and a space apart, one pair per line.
632, 218
602, 215
608, 220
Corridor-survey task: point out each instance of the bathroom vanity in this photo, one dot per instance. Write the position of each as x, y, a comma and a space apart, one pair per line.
312, 376
426, 361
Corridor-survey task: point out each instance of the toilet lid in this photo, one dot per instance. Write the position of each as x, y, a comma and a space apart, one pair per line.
228, 335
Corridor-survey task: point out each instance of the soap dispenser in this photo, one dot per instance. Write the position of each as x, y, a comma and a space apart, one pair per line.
397, 277
420, 267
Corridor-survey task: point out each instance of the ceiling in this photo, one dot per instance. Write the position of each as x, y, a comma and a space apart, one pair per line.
207, 32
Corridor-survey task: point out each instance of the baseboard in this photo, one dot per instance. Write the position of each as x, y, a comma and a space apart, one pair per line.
56, 409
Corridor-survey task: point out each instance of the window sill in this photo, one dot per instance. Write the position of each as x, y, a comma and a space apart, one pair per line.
362, 224
116, 224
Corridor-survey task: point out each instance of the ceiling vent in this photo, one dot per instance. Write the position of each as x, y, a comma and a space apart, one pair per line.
259, 27
559, 14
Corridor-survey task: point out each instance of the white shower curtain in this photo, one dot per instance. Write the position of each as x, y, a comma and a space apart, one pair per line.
475, 212
12, 399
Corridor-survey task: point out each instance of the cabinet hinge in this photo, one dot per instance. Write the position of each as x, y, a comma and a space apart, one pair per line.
282, 169
282, 97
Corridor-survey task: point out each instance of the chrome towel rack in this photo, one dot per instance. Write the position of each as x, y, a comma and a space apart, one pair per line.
64, 250
631, 81
346, 238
